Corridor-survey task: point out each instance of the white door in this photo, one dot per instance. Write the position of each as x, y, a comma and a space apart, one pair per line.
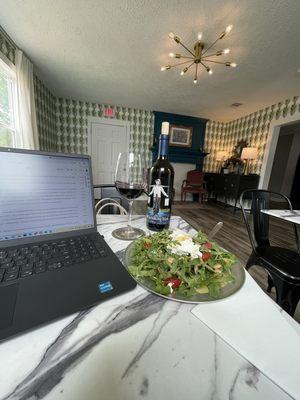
107, 138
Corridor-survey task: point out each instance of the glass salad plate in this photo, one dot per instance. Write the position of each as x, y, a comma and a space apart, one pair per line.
237, 270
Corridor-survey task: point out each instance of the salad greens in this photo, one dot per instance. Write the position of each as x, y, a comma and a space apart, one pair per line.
164, 258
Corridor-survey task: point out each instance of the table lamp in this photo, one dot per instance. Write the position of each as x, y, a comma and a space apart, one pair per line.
221, 157
248, 154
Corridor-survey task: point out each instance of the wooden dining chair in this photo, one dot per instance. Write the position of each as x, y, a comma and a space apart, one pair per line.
281, 264
195, 184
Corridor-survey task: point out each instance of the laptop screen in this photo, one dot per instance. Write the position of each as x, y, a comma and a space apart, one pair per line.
42, 194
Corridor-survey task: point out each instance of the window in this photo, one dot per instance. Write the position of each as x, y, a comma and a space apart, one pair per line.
8, 105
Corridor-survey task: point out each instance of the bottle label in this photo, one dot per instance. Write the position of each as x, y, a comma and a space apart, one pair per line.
160, 218
159, 202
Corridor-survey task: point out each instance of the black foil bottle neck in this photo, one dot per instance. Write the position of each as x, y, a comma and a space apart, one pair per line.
163, 149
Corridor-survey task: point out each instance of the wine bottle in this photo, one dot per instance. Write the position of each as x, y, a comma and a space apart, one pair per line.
160, 186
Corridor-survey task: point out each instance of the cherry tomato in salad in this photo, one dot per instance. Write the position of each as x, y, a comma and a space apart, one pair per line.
147, 244
207, 245
206, 256
175, 282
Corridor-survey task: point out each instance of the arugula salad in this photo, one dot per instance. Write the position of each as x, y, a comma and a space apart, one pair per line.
178, 263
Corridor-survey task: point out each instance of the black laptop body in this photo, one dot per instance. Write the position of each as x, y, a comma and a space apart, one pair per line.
52, 260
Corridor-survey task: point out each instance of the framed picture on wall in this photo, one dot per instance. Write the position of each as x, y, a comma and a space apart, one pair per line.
181, 135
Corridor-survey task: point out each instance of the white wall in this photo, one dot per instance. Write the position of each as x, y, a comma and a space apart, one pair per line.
180, 174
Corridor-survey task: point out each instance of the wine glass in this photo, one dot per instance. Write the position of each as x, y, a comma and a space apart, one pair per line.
129, 181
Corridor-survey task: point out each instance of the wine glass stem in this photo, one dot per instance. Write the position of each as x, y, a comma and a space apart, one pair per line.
129, 215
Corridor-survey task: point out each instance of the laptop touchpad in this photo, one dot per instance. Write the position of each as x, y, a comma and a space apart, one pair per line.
8, 295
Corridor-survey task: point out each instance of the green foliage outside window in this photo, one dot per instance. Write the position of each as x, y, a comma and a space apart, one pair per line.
6, 120
4, 100
6, 137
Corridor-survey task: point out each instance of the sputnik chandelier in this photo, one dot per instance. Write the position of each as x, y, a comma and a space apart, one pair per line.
200, 55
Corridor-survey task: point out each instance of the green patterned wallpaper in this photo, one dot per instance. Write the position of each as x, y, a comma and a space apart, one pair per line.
71, 123
45, 105
253, 128
7, 46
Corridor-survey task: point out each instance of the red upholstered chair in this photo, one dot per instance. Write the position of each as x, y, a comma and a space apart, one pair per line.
194, 183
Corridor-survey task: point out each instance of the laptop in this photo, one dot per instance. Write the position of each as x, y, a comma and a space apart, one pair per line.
52, 260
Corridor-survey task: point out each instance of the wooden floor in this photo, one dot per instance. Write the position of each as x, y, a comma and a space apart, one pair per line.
233, 236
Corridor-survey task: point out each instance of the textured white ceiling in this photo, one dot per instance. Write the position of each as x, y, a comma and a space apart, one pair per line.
110, 51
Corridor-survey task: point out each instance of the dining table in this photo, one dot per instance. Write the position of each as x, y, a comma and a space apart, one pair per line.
142, 346
285, 215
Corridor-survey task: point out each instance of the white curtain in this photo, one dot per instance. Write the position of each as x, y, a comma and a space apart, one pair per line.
26, 105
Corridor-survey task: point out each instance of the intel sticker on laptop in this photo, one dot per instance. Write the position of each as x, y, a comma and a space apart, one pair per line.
105, 287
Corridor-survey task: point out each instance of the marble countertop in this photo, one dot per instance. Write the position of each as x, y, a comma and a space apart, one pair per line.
285, 215
135, 346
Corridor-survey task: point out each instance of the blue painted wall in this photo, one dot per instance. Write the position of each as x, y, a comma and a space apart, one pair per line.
191, 155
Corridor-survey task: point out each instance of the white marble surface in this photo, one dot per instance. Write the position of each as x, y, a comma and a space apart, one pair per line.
135, 346
258, 329
285, 215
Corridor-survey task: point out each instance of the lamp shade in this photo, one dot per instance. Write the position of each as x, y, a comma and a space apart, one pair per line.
249, 153
221, 155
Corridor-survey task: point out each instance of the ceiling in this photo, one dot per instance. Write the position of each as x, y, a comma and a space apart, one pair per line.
111, 51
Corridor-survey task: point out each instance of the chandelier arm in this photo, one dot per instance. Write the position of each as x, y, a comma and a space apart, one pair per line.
190, 58
205, 66
216, 62
196, 73
190, 65
211, 55
184, 62
187, 49
209, 47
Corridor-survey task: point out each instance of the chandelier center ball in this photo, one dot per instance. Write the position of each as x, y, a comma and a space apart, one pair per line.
198, 47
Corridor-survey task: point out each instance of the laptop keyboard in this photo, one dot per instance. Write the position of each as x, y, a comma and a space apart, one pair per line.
25, 261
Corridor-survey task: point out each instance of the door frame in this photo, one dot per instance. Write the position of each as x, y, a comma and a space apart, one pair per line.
110, 122
271, 145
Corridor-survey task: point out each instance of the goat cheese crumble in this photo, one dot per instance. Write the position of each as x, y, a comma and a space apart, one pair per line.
184, 244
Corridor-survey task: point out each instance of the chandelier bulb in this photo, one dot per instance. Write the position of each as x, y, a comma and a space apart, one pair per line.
172, 55
174, 37
195, 80
165, 67
226, 51
228, 28
199, 36
183, 71
233, 64
210, 71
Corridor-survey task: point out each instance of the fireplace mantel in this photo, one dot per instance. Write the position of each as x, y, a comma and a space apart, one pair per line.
184, 157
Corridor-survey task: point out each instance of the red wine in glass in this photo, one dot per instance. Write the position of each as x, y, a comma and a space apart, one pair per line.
131, 192
129, 181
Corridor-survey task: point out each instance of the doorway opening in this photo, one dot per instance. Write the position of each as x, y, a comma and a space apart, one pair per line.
106, 139
285, 171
